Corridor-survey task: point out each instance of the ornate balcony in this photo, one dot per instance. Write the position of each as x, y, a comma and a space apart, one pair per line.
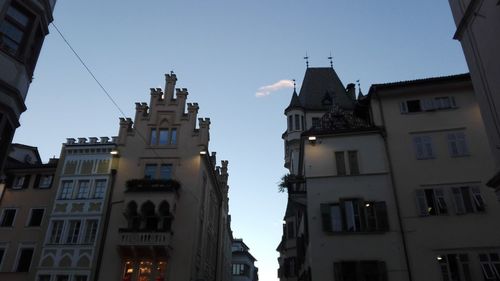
145, 238
148, 185
144, 244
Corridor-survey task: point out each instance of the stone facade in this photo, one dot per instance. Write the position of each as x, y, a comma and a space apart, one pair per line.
74, 234
169, 215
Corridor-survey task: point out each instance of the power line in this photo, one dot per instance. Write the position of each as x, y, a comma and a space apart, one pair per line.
100, 85
88, 70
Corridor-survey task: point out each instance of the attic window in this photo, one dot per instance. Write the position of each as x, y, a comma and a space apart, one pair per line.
327, 100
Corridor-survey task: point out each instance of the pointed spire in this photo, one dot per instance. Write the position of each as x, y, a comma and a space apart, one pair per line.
294, 102
360, 94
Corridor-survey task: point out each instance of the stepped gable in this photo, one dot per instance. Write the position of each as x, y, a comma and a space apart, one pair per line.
321, 88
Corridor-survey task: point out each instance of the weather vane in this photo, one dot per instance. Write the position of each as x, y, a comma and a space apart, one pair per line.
294, 85
330, 58
307, 60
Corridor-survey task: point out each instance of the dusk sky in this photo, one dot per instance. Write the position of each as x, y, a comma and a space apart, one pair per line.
226, 53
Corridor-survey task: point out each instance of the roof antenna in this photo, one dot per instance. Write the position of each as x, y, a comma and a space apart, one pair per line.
307, 60
331, 61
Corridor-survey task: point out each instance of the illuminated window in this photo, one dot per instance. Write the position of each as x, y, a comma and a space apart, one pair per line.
128, 271
145, 270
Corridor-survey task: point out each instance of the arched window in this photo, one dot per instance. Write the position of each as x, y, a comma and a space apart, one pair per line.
149, 216
133, 218
165, 216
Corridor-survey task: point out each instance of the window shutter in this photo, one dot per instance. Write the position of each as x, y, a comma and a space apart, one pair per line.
457, 198
37, 181
421, 203
478, 198
462, 144
382, 218
427, 104
26, 182
441, 201
452, 101
419, 151
402, 107
325, 217
337, 270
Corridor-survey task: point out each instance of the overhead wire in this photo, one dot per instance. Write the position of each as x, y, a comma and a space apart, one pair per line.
100, 84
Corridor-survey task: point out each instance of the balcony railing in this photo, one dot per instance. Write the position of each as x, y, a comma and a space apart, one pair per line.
140, 185
145, 238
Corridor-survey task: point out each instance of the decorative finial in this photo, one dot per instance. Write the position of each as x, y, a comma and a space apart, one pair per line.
307, 60
331, 61
294, 86
171, 72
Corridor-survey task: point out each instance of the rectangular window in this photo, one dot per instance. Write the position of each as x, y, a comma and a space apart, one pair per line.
354, 215
153, 139
100, 189
83, 189
490, 265
45, 181
457, 145
56, 230
20, 182
360, 271
90, 231
468, 199
413, 106
290, 123
353, 163
73, 232
297, 122
423, 147
36, 217
150, 171
66, 190
15, 29
165, 171
163, 137
316, 123
340, 163
8, 216
444, 102
24, 259
431, 202
173, 136
454, 267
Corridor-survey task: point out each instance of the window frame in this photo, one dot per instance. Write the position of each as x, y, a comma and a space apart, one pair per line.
336, 222
102, 189
22, 247
73, 234
30, 217
468, 199
457, 144
26, 30
437, 206
66, 192
90, 237
462, 264
59, 236
4, 247
423, 147
86, 190
2, 217
42, 184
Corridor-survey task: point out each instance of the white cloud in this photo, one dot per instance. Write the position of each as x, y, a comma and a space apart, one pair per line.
268, 89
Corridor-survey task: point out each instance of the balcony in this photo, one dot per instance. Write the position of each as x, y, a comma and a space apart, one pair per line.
149, 185
144, 244
145, 238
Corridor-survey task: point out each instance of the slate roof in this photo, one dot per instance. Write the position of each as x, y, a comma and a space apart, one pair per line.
294, 102
416, 82
321, 88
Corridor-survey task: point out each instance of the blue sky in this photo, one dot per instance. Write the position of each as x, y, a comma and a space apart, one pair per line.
223, 52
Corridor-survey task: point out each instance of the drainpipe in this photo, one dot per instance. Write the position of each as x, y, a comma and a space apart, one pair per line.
395, 193
105, 224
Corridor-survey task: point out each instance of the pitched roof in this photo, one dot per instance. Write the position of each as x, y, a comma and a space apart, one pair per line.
417, 82
321, 87
294, 102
